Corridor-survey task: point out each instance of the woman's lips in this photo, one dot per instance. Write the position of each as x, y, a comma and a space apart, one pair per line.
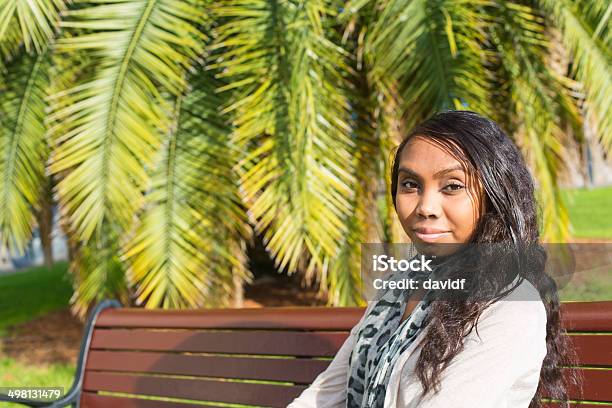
431, 237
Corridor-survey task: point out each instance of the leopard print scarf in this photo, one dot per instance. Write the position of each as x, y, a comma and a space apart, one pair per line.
380, 341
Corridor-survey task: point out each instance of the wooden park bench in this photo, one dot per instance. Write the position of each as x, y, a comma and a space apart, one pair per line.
255, 357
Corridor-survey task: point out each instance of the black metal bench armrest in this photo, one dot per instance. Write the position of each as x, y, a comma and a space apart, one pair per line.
73, 395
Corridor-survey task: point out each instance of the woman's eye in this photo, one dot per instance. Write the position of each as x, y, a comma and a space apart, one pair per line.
453, 187
409, 184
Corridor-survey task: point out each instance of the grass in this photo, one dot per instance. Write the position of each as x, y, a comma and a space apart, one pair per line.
588, 286
590, 212
16, 374
591, 217
32, 293
26, 295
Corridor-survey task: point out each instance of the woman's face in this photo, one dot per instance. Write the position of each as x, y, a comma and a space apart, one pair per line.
437, 202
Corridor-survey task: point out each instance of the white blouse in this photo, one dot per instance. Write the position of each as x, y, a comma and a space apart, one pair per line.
499, 366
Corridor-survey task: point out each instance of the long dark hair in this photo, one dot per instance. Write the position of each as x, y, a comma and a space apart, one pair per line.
510, 217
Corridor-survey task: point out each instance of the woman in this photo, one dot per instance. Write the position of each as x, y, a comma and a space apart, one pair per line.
459, 185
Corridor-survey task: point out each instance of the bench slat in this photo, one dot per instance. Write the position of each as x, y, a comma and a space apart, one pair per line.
270, 395
319, 344
593, 350
577, 316
297, 370
301, 318
596, 386
587, 316
93, 400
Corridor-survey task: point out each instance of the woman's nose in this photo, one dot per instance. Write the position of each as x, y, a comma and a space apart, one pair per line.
429, 204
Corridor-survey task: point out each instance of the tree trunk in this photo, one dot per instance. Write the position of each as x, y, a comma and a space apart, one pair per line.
45, 222
238, 291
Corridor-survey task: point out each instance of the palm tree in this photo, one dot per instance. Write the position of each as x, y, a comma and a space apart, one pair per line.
174, 130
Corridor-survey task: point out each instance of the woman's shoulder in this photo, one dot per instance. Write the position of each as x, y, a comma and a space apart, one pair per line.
523, 298
521, 312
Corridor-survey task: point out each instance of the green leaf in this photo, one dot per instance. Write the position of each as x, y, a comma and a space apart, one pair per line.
179, 254
592, 59
111, 123
97, 272
109, 126
31, 22
433, 51
23, 149
538, 102
291, 120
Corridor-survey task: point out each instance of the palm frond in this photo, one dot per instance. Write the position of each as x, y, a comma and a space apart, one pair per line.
180, 252
110, 126
597, 15
538, 102
434, 52
291, 119
591, 60
97, 271
23, 149
32, 23
377, 105
389, 127
342, 281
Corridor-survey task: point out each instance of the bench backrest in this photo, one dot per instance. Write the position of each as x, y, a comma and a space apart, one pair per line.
282, 348
261, 357
589, 325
